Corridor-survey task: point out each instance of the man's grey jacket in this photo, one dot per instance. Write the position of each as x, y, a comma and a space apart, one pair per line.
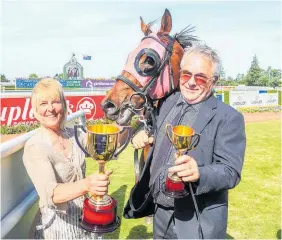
219, 154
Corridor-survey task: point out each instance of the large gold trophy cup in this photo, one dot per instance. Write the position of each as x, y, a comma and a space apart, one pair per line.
99, 213
183, 138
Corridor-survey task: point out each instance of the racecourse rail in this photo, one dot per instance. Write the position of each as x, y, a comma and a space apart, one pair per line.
18, 195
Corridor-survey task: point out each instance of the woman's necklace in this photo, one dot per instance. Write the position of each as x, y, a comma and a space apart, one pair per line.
61, 141
60, 138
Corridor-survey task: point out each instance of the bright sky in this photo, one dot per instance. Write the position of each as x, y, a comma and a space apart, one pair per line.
40, 36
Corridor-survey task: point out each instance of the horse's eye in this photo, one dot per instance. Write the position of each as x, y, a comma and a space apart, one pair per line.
147, 65
150, 61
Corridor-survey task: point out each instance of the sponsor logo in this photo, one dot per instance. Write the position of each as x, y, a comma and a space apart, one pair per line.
18, 110
88, 106
12, 114
257, 101
272, 100
239, 102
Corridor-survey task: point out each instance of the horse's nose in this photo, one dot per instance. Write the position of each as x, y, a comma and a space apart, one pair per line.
109, 106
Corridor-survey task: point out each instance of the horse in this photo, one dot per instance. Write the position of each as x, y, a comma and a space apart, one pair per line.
150, 74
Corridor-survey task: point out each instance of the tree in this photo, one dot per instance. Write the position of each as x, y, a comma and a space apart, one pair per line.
239, 77
221, 81
275, 78
59, 76
3, 78
270, 77
32, 75
254, 73
263, 80
222, 73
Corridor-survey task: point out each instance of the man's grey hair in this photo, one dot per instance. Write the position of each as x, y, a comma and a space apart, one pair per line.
205, 51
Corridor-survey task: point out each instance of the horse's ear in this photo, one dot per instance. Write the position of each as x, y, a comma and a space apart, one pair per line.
166, 23
144, 27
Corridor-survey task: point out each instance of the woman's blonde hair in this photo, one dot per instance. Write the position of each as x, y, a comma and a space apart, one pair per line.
48, 88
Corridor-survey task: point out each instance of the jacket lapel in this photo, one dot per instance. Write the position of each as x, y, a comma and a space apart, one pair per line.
165, 109
207, 112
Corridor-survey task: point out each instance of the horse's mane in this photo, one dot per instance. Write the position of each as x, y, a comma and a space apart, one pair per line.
184, 37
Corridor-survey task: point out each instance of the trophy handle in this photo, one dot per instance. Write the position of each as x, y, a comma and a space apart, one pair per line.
167, 131
119, 150
76, 127
196, 141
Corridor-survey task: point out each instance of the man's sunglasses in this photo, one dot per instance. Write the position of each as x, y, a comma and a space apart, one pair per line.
200, 78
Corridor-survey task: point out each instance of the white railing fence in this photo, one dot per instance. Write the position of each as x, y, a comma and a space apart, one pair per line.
18, 196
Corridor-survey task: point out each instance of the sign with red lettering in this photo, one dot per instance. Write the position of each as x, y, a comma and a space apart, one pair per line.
18, 110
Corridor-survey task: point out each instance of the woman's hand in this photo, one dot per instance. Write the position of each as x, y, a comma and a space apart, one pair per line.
141, 139
98, 183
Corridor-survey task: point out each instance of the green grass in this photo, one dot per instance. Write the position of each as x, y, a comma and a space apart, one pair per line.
254, 205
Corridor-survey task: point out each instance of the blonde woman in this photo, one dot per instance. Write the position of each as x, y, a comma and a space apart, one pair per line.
56, 167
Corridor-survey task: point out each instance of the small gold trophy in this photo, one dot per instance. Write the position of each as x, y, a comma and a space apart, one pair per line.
183, 138
99, 213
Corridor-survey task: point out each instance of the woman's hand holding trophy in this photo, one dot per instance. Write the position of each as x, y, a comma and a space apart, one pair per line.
99, 209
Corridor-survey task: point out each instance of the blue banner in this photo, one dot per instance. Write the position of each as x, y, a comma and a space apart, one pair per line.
30, 83
26, 83
219, 97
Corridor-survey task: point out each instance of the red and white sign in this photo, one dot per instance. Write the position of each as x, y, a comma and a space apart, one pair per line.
18, 110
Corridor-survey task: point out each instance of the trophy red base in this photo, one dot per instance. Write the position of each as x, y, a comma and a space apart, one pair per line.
174, 187
100, 215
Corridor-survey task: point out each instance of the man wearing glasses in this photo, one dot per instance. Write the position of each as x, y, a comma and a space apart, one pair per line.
213, 167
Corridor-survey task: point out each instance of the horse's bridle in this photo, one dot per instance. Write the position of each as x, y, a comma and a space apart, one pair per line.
143, 92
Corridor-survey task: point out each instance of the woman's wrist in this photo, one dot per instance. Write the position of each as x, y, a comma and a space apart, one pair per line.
85, 185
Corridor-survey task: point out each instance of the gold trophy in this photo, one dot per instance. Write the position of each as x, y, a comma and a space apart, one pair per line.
100, 213
183, 138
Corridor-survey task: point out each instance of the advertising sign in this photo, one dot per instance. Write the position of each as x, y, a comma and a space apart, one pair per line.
220, 96
239, 99
30, 83
70, 83
18, 110
91, 83
24, 83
